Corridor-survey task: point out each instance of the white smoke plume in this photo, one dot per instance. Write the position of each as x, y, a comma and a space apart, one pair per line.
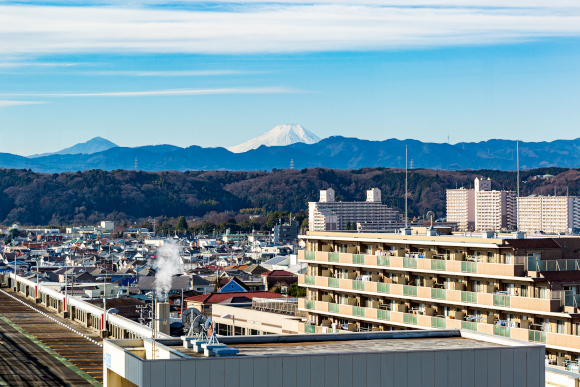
167, 265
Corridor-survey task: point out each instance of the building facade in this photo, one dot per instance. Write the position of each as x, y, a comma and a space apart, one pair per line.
548, 214
481, 208
328, 214
526, 289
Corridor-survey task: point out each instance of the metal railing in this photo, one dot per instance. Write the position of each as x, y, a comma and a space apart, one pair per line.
277, 305
554, 265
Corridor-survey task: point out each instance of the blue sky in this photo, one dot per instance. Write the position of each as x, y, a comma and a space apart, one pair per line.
216, 74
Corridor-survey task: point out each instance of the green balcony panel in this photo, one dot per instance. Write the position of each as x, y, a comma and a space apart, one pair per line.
310, 329
358, 285
437, 322
384, 314
334, 308
472, 326
333, 257
410, 263
309, 255
383, 288
309, 304
334, 282
383, 261
358, 259
358, 311
410, 291
501, 331
309, 280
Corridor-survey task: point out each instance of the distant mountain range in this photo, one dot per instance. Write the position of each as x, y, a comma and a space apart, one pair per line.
97, 144
333, 152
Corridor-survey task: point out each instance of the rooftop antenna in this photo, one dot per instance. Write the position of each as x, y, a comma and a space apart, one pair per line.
406, 182
518, 185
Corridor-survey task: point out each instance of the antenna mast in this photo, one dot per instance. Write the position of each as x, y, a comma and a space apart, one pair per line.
518, 185
406, 182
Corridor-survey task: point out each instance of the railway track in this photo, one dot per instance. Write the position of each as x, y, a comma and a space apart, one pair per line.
36, 350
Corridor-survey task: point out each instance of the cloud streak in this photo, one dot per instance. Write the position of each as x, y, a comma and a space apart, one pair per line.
165, 93
18, 103
283, 28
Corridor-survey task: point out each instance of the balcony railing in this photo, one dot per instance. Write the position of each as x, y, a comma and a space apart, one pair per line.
554, 265
436, 294
508, 266
438, 322
469, 267
358, 259
501, 300
358, 285
501, 331
537, 336
410, 263
334, 282
309, 280
439, 265
333, 308
410, 291
358, 311
384, 314
310, 304
472, 326
470, 297
409, 318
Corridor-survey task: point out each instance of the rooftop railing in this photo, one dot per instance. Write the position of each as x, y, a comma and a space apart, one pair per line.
554, 265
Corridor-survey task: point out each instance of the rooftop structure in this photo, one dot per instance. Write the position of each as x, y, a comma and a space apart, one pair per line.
442, 358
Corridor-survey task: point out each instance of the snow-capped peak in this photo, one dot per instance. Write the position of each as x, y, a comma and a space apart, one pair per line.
279, 136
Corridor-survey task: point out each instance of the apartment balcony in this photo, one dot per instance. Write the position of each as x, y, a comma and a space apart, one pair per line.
436, 295
454, 263
420, 321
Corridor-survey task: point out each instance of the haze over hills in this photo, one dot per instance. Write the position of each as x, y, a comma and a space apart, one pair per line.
279, 136
333, 152
94, 145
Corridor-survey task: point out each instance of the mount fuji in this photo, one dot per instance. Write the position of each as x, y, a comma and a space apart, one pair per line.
281, 135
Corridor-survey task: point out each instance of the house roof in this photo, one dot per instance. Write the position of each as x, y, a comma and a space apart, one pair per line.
278, 273
239, 282
199, 281
214, 298
177, 283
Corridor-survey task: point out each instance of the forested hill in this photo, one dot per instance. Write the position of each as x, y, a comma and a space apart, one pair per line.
31, 198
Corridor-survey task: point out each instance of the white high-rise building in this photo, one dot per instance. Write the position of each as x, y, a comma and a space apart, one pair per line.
481, 208
329, 215
549, 214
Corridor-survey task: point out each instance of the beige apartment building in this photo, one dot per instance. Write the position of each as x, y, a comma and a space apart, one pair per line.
548, 214
481, 208
525, 289
330, 215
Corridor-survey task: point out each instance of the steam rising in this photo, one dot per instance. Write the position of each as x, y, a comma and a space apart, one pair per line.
167, 265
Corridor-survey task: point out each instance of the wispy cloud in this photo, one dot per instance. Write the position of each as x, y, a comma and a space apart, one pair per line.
192, 73
18, 103
166, 93
281, 27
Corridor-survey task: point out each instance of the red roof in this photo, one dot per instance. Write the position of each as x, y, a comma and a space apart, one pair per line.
214, 298
278, 273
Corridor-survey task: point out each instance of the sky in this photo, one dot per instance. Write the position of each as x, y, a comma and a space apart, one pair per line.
187, 72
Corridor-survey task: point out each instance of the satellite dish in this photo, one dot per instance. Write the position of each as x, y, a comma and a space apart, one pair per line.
188, 315
430, 216
208, 323
113, 311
